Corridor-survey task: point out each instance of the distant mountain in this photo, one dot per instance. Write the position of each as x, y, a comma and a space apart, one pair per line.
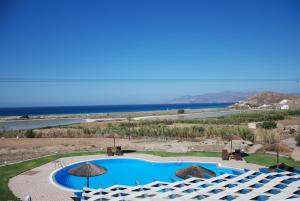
270, 98
221, 97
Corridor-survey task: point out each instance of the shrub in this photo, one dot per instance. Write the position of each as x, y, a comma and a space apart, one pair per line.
267, 136
243, 117
269, 125
297, 138
180, 111
29, 134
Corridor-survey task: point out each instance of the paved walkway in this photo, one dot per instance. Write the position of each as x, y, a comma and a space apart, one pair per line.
36, 182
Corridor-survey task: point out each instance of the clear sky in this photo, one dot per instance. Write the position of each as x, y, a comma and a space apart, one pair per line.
145, 39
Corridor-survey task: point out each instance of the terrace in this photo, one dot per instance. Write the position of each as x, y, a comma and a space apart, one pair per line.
44, 188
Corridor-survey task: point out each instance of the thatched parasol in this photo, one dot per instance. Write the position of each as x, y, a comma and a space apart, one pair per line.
194, 171
114, 135
87, 170
278, 147
230, 138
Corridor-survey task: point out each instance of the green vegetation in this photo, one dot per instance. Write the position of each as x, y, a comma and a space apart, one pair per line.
9, 171
174, 154
163, 128
267, 136
153, 129
269, 125
269, 160
180, 111
157, 130
29, 134
245, 117
297, 138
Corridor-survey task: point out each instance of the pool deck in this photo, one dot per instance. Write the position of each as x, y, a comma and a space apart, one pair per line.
38, 185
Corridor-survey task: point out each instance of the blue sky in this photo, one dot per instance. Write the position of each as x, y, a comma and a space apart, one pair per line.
110, 39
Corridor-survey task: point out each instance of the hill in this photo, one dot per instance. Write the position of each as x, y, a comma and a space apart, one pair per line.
270, 98
221, 97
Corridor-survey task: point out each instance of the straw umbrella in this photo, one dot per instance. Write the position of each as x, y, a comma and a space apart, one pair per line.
194, 171
87, 170
232, 137
114, 136
278, 147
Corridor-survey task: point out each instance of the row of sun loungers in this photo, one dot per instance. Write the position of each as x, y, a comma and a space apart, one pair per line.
248, 185
235, 155
114, 151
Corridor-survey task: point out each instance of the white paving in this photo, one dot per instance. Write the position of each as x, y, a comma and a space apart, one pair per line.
218, 189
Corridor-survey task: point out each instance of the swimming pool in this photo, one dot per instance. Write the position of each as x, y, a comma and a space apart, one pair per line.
128, 172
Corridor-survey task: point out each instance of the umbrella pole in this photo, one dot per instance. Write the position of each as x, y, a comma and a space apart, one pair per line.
88, 182
114, 142
277, 157
231, 147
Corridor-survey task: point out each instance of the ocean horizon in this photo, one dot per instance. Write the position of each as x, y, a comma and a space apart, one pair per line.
94, 109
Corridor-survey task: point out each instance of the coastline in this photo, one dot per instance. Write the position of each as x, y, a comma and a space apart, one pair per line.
114, 115
15, 123
102, 110
103, 115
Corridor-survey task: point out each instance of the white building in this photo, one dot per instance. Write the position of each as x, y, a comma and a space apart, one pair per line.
265, 106
284, 105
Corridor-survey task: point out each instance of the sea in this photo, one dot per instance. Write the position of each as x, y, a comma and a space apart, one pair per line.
98, 109
20, 111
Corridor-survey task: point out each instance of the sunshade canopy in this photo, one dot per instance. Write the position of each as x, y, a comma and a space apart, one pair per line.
278, 147
194, 171
87, 170
232, 137
113, 135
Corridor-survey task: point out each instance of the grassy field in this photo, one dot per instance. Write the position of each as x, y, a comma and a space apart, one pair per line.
10, 171
259, 159
269, 160
191, 153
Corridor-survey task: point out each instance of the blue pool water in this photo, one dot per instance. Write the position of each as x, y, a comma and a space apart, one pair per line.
128, 171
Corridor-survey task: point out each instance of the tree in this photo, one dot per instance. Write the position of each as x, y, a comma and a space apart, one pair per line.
269, 125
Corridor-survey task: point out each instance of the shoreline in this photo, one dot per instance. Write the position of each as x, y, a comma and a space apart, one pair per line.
59, 120
111, 115
103, 111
